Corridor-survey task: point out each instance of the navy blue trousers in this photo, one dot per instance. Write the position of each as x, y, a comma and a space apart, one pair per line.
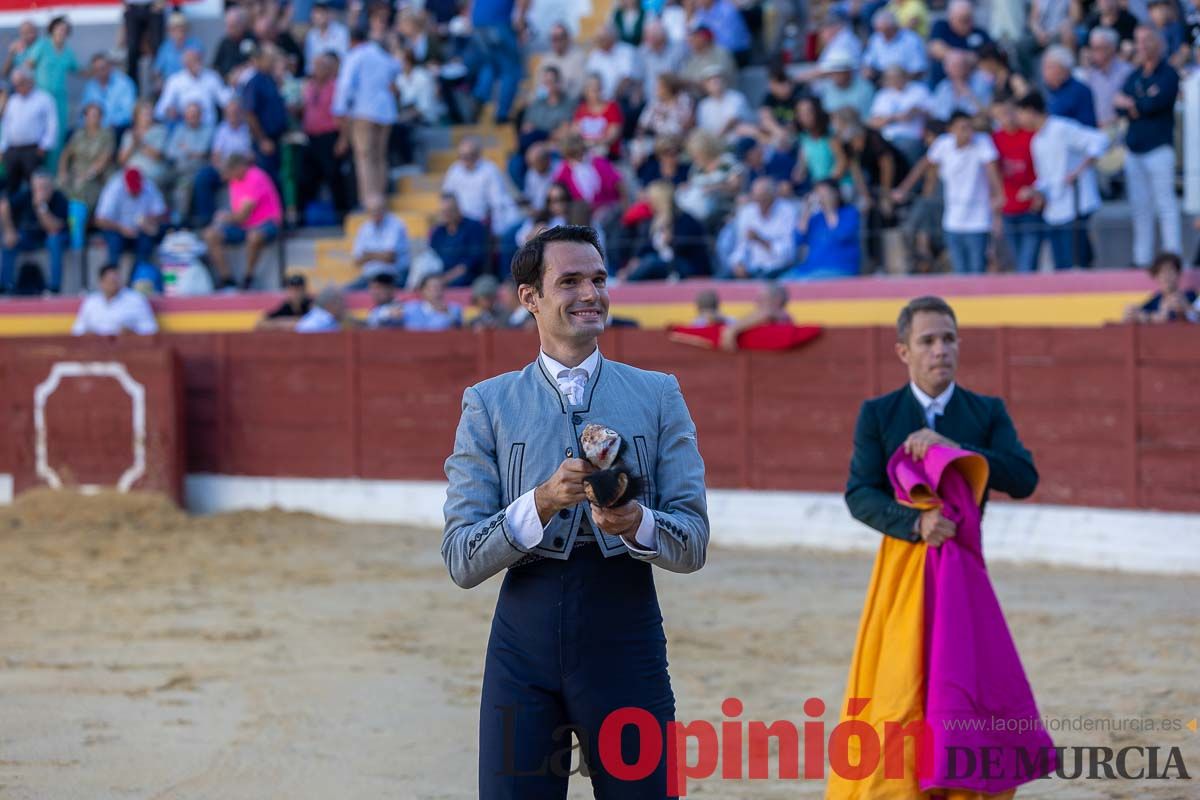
572, 641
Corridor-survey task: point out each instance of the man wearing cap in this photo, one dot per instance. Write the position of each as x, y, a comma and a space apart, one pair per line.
296, 303
381, 244
169, 58
115, 93
130, 214
844, 87
254, 218
705, 54
192, 84
28, 129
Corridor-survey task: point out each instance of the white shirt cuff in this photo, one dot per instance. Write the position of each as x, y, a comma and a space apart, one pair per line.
523, 521
646, 535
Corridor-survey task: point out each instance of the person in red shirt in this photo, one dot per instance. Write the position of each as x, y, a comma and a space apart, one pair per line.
325, 156
1022, 222
599, 120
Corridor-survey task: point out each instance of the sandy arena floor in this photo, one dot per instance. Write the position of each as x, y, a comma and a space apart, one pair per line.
146, 654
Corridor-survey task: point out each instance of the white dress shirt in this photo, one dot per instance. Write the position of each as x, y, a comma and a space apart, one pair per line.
128, 310
183, 88
481, 192
388, 236
777, 226
29, 119
522, 513
614, 66
1058, 148
714, 114
890, 102
964, 176
364, 88
933, 407
335, 39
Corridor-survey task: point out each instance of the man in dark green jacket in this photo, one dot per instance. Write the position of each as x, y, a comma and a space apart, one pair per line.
930, 410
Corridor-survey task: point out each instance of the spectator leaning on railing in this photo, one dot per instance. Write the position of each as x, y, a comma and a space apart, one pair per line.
1170, 303
113, 310
32, 219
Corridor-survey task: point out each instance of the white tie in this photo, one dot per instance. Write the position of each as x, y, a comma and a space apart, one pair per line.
572, 383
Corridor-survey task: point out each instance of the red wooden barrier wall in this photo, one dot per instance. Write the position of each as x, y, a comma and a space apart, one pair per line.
1111, 414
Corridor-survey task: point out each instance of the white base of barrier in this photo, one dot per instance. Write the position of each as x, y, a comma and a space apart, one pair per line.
1021, 533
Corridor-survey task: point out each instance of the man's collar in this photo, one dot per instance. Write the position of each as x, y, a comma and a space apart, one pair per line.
940, 402
588, 364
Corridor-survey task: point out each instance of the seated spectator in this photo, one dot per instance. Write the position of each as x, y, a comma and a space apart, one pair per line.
326, 35
479, 187
550, 111
192, 84
669, 113
419, 38
236, 46
666, 163
232, 137
1066, 96
899, 112
255, 218
892, 46
325, 159
187, 153
705, 54
769, 309
460, 242
598, 120
1164, 17
20, 48
328, 314
829, 232
489, 313
169, 58
539, 175
1048, 25
28, 129
418, 93
724, 19
130, 213
964, 88
431, 312
777, 114
385, 311
912, 15
676, 243
957, 31
85, 161
614, 62
723, 109
875, 167
143, 146
569, 59
113, 309
1170, 303
590, 179
845, 88
381, 244
708, 310
269, 29
713, 180
296, 303
818, 152
1113, 15
112, 90
657, 56
33, 218
839, 42
764, 241
1105, 74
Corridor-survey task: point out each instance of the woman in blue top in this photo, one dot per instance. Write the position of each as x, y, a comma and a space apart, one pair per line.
819, 154
830, 231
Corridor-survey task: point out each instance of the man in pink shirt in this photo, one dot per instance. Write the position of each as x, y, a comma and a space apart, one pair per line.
255, 215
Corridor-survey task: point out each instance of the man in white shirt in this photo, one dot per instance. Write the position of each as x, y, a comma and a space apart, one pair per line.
658, 55
899, 111
567, 58
1066, 191
327, 315
192, 84
113, 309
765, 229
130, 214
613, 60
971, 182
479, 187
893, 46
28, 130
327, 35
723, 108
381, 244
365, 100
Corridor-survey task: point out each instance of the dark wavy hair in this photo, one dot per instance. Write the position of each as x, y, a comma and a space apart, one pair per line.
529, 263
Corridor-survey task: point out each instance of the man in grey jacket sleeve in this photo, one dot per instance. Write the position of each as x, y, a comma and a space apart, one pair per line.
577, 632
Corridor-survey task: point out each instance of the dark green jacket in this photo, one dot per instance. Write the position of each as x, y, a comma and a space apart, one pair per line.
973, 421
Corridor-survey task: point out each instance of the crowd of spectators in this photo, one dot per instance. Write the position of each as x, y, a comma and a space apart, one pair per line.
890, 134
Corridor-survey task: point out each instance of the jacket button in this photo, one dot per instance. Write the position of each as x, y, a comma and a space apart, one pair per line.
576, 419
558, 541
564, 513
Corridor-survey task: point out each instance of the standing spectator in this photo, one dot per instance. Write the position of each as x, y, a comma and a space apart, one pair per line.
113, 309
460, 242
264, 108
385, 311
296, 303
143, 146
676, 243
130, 214
1066, 191
763, 227
83, 166
236, 46
1170, 303
143, 34
1148, 101
52, 63
724, 19
613, 62
704, 54
1066, 95
325, 156
187, 153
1164, 18
723, 108
417, 94
169, 58
569, 59
899, 110
599, 120
963, 88
327, 35
498, 26
115, 92
28, 129
255, 218
269, 30
957, 31
657, 56
18, 48
32, 219
828, 230
893, 46
1105, 74
192, 84
426, 48
328, 313
365, 100
966, 161
845, 88
479, 187
431, 312
1022, 225
381, 244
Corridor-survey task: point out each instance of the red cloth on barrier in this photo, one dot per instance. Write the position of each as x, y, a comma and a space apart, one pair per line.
777, 336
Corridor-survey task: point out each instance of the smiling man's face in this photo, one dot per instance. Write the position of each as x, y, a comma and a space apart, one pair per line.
573, 306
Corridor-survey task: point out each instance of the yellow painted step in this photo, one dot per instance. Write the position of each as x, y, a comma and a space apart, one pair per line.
419, 183
335, 272
423, 202
440, 161
418, 224
333, 248
488, 132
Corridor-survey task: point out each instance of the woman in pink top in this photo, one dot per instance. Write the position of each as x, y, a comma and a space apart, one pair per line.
590, 179
255, 216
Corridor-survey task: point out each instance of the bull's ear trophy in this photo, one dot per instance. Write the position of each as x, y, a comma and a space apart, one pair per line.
613, 484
